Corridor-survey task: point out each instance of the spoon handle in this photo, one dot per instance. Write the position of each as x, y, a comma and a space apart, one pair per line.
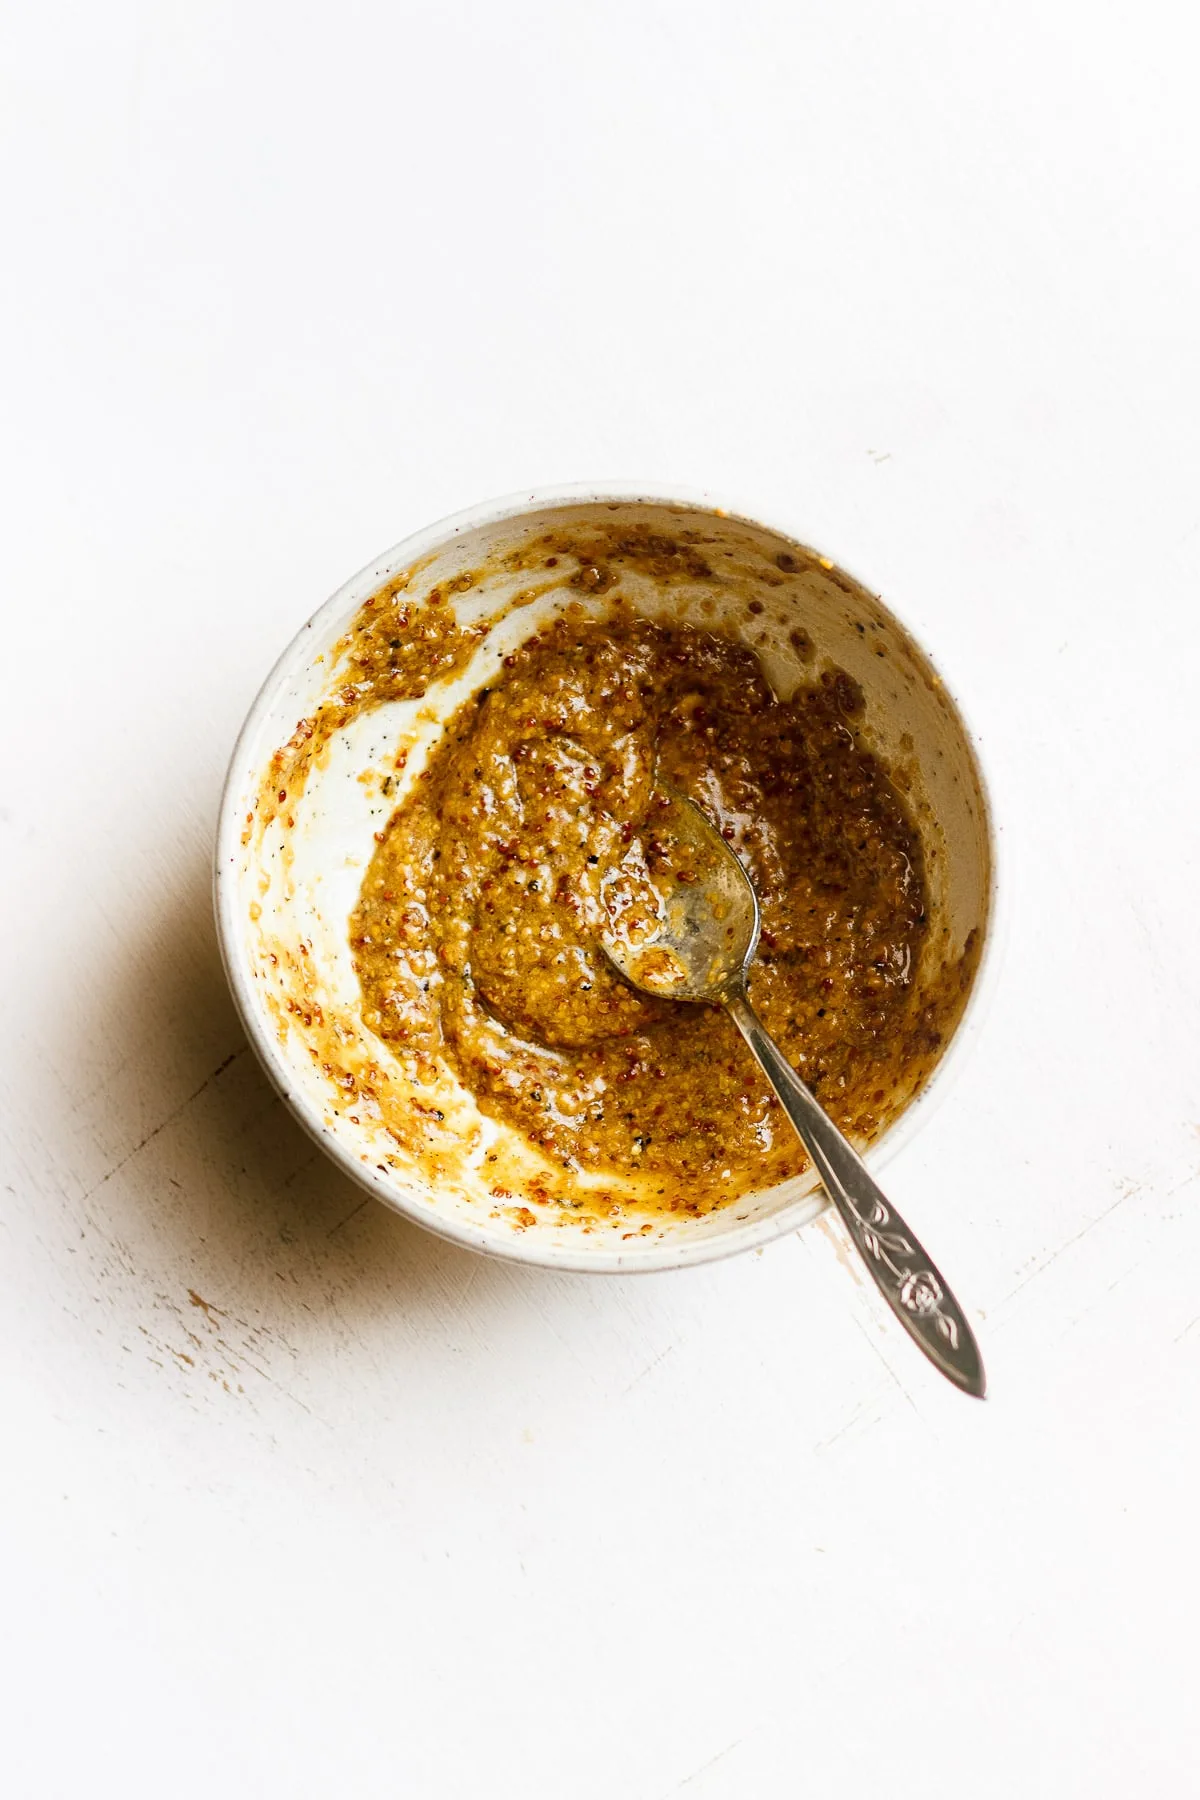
903, 1273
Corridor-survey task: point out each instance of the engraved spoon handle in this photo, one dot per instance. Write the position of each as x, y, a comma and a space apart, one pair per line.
903, 1273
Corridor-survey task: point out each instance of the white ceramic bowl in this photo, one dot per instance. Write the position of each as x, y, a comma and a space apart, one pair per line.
284, 905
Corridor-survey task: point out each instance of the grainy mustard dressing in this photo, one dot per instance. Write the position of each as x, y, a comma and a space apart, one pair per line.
477, 932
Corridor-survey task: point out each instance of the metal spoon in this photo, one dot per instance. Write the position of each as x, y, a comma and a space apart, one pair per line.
697, 942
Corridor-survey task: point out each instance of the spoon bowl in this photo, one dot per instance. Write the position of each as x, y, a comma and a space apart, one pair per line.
691, 932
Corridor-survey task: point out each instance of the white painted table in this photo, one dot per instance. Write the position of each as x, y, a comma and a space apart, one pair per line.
296, 1500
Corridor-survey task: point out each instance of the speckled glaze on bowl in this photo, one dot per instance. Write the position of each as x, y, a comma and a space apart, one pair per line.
911, 719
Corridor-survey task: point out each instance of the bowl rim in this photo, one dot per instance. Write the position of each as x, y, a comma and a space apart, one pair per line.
543, 1249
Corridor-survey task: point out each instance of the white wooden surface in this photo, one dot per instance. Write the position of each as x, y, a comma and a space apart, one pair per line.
297, 1501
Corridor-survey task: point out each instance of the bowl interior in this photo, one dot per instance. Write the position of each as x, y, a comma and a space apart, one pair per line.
288, 877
